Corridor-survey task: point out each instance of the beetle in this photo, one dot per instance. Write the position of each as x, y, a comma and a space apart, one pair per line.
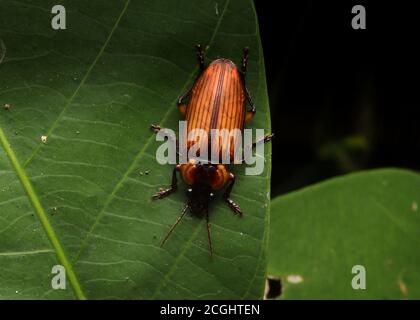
216, 100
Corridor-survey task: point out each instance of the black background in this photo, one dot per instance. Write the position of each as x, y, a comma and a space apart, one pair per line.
341, 100
151, 309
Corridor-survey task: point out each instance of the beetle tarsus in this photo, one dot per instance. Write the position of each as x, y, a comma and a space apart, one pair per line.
244, 61
265, 139
248, 149
200, 56
155, 128
250, 101
233, 206
268, 137
162, 193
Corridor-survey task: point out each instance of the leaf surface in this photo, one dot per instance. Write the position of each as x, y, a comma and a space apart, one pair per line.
92, 90
372, 219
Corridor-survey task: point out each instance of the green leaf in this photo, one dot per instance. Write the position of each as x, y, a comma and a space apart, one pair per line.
370, 218
82, 197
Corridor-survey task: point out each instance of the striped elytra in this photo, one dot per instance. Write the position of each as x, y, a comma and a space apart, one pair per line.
217, 101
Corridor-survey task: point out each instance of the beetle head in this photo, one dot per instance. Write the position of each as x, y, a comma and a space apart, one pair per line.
201, 191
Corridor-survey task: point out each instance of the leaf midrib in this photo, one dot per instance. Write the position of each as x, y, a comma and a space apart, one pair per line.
42, 216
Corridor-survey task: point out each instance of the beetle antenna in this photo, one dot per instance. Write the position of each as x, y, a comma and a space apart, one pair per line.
209, 234
178, 220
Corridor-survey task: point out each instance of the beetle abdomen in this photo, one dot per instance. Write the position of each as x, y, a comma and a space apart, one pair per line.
217, 102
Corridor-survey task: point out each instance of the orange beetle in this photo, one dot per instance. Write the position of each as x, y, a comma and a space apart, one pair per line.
217, 100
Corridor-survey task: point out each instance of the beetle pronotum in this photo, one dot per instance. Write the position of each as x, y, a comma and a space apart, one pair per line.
216, 100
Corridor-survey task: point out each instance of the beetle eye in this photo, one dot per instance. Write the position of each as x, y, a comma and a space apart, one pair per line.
211, 194
189, 190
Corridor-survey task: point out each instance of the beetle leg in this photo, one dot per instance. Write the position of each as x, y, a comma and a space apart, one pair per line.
182, 107
162, 193
200, 56
244, 62
232, 205
250, 113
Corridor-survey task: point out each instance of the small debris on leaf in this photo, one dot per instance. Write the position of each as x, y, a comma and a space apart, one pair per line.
144, 172
293, 278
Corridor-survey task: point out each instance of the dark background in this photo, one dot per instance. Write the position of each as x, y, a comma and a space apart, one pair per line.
341, 100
